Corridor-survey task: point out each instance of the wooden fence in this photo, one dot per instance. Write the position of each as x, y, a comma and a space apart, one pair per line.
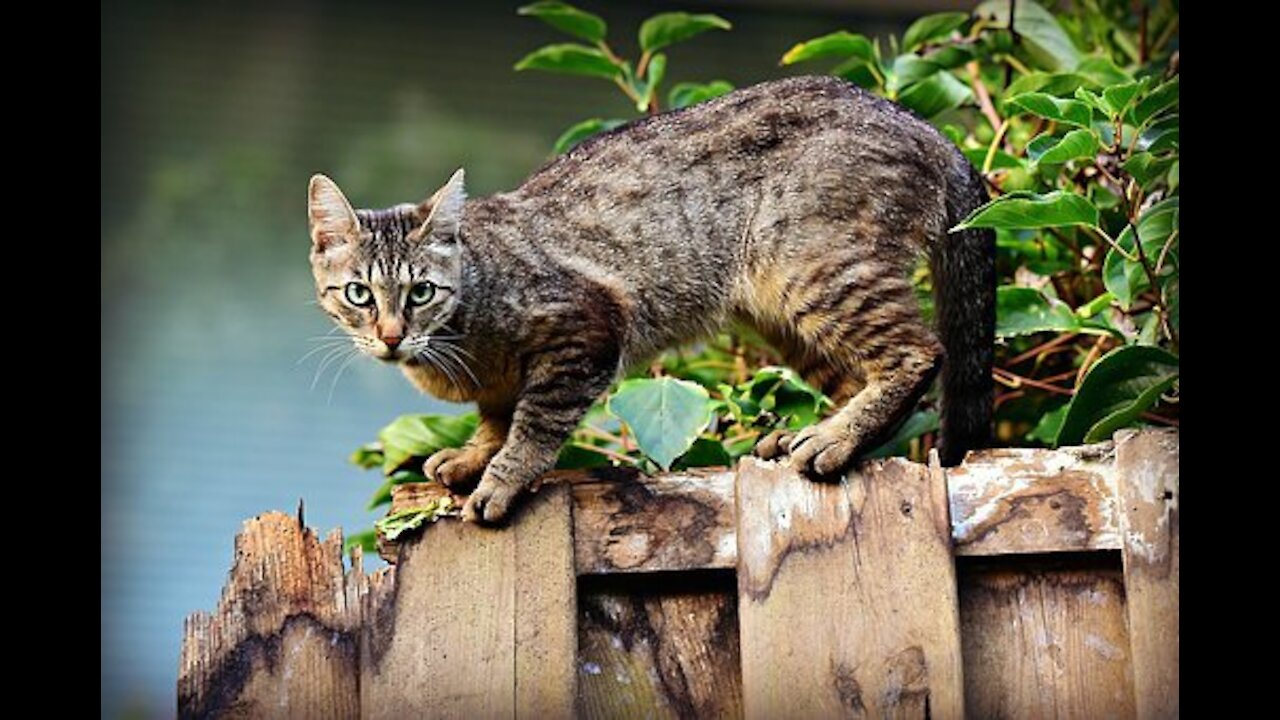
1024, 583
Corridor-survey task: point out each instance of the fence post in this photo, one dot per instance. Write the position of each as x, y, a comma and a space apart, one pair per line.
847, 594
1147, 485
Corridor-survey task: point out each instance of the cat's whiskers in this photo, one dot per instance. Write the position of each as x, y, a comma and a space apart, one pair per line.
333, 355
330, 344
338, 375
453, 352
435, 361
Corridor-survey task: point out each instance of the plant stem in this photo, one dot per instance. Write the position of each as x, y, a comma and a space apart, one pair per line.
1094, 352
1037, 350
995, 145
1016, 381
984, 97
612, 455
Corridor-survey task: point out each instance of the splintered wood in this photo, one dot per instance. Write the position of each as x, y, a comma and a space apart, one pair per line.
283, 641
847, 594
750, 592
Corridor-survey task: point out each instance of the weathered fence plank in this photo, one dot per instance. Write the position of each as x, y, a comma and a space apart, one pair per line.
659, 649
282, 642
482, 621
1026, 500
1147, 476
847, 594
1044, 637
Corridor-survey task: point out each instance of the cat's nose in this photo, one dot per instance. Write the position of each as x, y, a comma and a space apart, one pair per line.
391, 341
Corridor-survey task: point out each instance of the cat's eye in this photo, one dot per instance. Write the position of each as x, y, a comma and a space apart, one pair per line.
421, 293
358, 294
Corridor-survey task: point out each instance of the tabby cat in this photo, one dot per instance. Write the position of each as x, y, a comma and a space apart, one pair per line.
799, 207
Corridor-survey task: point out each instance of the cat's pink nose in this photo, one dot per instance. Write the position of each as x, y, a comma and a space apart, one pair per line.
392, 341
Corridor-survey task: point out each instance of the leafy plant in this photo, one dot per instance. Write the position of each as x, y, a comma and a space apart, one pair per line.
639, 82
1072, 119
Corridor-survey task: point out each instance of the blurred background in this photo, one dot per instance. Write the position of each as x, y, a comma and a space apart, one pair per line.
214, 115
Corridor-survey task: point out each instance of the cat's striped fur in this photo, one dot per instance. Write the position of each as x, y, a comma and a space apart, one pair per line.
799, 207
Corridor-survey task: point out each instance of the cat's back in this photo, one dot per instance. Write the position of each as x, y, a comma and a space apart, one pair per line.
738, 136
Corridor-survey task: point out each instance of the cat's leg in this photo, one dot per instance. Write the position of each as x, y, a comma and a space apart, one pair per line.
460, 468
560, 385
898, 355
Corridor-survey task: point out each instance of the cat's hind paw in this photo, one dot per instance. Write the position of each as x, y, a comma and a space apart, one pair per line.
456, 467
491, 502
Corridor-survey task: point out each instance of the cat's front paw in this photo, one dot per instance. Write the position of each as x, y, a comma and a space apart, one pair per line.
491, 502
457, 467
822, 450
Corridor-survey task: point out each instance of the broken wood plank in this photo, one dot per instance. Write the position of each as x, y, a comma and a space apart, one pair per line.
283, 640
1027, 500
847, 594
676, 521
659, 646
405, 497
1147, 479
1044, 636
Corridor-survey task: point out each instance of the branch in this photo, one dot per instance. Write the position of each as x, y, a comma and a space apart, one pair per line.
984, 97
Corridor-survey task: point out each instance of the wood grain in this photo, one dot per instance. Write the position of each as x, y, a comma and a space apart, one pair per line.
546, 611
283, 640
676, 521
847, 594
1147, 476
659, 646
1045, 637
1025, 500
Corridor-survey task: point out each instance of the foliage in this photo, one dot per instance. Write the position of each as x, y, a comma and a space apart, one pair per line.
1072, 119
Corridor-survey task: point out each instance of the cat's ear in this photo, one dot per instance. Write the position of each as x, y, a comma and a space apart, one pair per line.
333, 222
444, 208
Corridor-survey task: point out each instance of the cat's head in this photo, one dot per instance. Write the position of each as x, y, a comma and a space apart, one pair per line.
390, 278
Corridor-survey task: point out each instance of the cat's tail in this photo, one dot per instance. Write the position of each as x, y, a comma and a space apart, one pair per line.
964, 292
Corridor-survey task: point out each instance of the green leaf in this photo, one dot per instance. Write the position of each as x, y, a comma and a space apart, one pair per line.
932, 27
1056, 84
1162, 135
366, 540
1101, 72
666, 29
687, 93
1173, 177
1029, 210
860, 73
1126, 278
1079, 143
951, 56
919, 423
1117, 388
1046, 431
367, 456
1002, 159
705, 452
382, 495
837, 44
563, 16
938, 93
1095, 306
572, 59
909, 68
1117, 98
399, 523
1147, 168
1071, 112
1159, 100
410, 436
665, 415
583, 130
1023, 311
1045, 41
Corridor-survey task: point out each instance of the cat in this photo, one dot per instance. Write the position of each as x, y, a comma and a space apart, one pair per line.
799, 207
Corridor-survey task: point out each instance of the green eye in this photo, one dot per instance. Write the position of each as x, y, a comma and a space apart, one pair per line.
422, 293
358, 294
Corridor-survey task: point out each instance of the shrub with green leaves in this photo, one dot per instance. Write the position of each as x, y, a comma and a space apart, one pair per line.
1072, 118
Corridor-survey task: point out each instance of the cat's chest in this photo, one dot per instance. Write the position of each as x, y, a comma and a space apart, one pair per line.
488, 381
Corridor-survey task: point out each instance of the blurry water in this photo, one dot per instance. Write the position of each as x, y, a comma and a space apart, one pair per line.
213, 120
